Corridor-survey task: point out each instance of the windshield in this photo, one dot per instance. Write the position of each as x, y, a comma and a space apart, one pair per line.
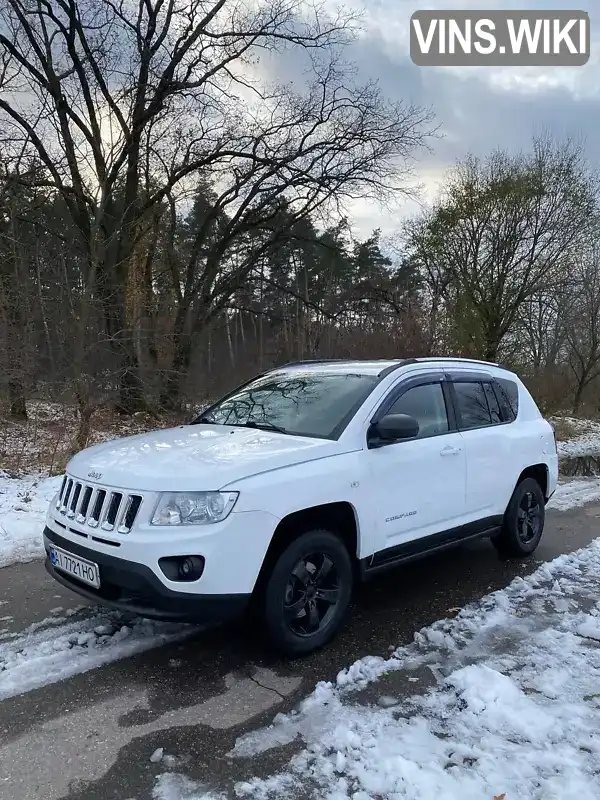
304, 404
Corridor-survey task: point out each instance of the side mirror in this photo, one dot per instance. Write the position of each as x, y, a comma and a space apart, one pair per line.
393, 427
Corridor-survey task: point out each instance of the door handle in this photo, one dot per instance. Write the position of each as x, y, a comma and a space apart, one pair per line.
450, 451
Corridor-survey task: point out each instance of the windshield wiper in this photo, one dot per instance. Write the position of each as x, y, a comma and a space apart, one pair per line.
259, 425
262, 425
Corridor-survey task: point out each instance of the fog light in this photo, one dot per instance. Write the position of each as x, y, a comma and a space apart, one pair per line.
182, 568
191, 568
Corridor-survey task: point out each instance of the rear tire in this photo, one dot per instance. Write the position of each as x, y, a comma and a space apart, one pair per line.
523, 521
307, 593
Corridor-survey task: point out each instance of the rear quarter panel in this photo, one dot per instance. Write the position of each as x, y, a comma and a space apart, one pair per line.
533, 437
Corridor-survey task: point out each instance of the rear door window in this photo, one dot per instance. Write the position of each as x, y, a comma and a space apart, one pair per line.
473, 409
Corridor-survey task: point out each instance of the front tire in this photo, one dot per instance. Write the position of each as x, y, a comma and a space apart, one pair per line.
523, 521
307, 593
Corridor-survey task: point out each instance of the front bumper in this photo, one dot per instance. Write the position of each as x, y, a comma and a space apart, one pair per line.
135, 588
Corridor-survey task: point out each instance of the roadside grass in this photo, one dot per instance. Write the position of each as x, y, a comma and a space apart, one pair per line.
44, 442
564, 428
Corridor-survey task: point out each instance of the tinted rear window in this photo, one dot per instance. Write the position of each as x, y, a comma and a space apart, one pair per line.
493, 403
472, 405
508, 392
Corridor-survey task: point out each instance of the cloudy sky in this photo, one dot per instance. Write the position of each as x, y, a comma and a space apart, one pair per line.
478, 109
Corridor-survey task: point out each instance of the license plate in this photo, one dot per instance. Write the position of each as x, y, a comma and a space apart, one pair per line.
85, 571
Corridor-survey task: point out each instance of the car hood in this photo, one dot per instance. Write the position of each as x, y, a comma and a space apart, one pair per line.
201, 457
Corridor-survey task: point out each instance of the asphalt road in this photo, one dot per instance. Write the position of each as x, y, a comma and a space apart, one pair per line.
91, 737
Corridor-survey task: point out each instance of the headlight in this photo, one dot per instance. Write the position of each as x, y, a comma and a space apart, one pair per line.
193, 508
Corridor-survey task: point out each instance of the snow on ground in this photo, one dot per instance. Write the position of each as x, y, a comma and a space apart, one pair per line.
515, 711
171, 786
23, 506
575, 493
57, 648
584, 440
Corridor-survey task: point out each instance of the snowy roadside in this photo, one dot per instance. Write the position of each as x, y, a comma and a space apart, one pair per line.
514, 711
58, 647
584, 438
23, 507
575, 493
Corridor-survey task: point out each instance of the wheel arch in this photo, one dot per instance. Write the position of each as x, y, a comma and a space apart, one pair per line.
338, 517
540, 473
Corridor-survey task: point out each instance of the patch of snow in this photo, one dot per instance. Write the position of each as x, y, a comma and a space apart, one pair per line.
386, 701
171, 786
157, 755
586, 439
53, 649
516, 711
23, 507
575, 493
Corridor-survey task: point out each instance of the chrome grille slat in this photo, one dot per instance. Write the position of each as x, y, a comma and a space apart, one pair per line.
84, 505
74, 500
135, 501
125, 507
112, 511
61, 492
65, 501
96, 512
98, 506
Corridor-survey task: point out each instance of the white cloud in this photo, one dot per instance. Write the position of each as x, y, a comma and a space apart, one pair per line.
478, 109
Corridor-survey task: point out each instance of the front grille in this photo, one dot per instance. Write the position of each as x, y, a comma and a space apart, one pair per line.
97, 507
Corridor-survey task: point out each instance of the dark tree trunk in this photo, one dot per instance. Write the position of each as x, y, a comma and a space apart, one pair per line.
579, 395
84, 428
16, 392
131, 390
170, 398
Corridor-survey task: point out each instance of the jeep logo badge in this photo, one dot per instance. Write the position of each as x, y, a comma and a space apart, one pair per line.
95, 475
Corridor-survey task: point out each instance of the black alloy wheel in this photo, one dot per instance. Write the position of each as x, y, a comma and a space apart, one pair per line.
523, 522
528, 518
312, 594
307, 592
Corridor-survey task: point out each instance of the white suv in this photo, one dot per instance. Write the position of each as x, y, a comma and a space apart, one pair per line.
313, 476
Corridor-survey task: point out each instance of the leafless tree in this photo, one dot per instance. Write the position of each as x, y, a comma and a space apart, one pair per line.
540, 333
583, 322
126, 102
501, 232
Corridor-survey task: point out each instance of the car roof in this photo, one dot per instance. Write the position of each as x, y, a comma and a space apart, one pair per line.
377, 367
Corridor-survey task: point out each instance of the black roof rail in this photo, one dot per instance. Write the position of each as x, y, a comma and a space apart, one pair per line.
431, 359
311, 361
403, 362
457, 358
